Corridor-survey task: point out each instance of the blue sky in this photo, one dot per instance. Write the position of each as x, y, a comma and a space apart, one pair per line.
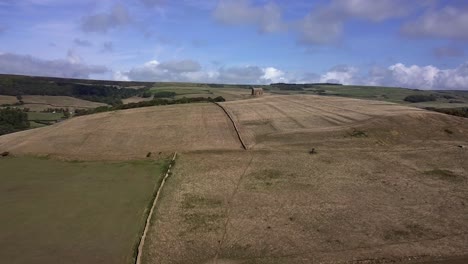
418, 44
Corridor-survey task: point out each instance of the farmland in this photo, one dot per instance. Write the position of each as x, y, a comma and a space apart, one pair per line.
42, 102
376, 188
292, 207
73, 212
324, 179
129, 134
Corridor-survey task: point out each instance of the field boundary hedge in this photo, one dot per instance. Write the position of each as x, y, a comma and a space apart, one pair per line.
234, 124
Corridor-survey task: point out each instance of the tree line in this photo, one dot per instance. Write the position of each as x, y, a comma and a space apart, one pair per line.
154, 102
108, 94
12, 120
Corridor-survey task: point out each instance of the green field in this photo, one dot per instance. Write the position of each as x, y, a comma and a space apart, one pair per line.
34, 116
73, 212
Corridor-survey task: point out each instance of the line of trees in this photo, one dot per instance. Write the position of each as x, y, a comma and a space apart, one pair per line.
460, 111
108, 94
13, 120
154, 102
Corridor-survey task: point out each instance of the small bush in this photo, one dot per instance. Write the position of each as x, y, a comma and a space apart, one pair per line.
448, 131
358, 133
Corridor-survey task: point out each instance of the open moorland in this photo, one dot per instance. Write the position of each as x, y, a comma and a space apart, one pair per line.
323, 179
73, 212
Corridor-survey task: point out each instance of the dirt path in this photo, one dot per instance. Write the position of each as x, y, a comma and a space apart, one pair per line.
229, 208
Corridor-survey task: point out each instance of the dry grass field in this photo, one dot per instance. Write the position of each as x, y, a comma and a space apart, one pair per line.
136, 99
331, 207
7, 99
41, 102
386, 183
298, 121
129, 134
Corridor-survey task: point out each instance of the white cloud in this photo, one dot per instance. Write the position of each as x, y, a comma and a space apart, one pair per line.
324, 24
340, 74
72, 67
192, 71
398, 75
273, 75
267, 18
449, 22
102, 22
375, 10
421, 77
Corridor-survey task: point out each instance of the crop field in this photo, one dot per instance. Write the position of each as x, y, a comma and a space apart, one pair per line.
41, 102
445, 99
324, 179
288, 122
73, 212
7, 99
129, 134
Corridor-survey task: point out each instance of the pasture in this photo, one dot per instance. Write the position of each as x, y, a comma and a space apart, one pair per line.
73, 212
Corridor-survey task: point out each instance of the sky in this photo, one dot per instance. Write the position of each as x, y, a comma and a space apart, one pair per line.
416, 44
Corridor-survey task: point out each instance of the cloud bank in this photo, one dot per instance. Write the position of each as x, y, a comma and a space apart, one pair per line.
72, 67
397, 75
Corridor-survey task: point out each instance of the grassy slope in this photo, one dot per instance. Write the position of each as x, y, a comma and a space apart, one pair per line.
73, 212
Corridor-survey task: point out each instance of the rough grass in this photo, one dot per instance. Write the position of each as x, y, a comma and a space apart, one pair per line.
80, 212
444, 174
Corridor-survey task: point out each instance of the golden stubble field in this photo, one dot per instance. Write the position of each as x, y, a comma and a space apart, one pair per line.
129, 134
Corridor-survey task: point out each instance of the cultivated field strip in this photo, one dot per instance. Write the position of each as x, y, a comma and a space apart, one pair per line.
263, 118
